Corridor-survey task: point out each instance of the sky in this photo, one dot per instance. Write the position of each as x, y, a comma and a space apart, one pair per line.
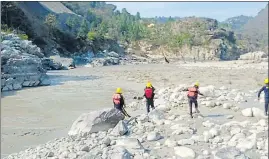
216, 10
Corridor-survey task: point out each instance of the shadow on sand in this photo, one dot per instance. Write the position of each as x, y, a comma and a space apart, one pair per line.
214, 115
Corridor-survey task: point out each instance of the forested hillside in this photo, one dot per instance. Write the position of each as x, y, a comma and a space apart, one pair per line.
97, 26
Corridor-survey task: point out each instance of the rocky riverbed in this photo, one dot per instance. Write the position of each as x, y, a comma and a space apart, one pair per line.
32, 117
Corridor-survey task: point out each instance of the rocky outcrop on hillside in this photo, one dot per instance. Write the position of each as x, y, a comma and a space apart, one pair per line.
254, 56
190, 39
21, 64
254, 34
216, 50
163, 133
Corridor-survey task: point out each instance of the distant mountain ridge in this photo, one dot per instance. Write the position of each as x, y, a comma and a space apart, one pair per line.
255, 31
236, 23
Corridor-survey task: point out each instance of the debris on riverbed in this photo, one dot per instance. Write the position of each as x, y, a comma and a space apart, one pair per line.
163, 133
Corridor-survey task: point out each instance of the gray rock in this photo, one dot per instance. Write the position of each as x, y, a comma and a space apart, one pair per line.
96, 121
153, 136
7, 88
214, 132
156, 115
50, 154
44, 80
20, 59
248, 143
85, 148
229, 153
50, 64
17, 86
120, 129
227, 105
62, 61
106, 141
3, 82
107, 61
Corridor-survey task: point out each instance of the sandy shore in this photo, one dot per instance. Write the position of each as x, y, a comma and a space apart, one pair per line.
36, 115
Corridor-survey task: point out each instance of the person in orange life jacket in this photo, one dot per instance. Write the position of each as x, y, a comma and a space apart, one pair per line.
118, 101
265, 89
192, 97
149, 95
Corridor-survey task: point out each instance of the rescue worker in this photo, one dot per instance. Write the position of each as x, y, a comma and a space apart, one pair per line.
119, 103
265, 89
192, 97
149, 95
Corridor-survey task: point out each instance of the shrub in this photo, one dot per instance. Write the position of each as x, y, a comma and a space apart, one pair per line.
23, 36
91, 35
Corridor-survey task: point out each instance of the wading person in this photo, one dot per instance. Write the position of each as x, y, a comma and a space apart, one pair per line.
193, 96
119, 102
265, 89
149, 95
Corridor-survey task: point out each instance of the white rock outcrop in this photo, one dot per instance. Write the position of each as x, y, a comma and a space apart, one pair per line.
96, 121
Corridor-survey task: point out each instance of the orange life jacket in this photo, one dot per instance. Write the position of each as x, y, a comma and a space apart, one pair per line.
116, 98
192, 92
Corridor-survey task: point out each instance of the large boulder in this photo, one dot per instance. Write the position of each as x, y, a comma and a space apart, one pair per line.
21, 64
96, 121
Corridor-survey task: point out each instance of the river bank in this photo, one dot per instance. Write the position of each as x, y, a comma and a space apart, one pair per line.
35, 115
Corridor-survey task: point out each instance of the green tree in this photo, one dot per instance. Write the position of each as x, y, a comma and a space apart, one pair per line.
103, 28
70, 23
84, 29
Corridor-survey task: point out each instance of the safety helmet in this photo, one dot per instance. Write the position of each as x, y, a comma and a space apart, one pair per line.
266, 81
196, 84
148, 84
118, 90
